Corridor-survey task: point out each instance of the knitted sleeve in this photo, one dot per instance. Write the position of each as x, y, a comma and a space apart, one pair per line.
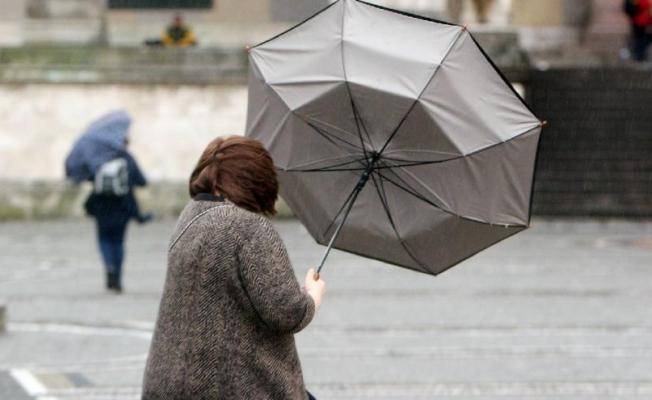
270, 283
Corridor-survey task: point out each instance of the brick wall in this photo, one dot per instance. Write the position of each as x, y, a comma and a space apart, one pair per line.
596, 153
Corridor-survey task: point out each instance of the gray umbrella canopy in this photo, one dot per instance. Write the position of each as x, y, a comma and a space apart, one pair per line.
396, 129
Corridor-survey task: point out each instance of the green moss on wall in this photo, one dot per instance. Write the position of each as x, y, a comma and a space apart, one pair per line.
57, 199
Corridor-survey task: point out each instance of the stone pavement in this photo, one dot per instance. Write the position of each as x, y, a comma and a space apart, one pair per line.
561, 311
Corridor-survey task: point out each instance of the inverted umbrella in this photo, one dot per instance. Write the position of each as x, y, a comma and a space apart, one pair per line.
395, 136
102, 141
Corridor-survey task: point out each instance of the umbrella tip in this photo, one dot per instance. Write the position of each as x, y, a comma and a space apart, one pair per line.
465, 28
248, 48
544, 123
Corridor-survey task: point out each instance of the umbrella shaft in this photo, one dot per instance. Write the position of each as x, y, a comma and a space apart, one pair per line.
358, 188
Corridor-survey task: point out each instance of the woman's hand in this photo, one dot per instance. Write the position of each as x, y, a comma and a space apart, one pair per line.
315, 287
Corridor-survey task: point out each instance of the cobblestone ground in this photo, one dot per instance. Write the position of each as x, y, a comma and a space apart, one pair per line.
561, 311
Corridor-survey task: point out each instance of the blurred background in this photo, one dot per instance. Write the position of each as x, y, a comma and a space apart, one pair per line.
65, 62
509, 323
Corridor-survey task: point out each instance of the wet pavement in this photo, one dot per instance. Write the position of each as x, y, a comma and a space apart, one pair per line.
561, 311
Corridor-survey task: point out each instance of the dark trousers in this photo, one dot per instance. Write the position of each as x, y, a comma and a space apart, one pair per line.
111, 240
641, 40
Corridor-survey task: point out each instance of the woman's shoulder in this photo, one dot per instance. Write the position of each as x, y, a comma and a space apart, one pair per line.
244, 221
225, 214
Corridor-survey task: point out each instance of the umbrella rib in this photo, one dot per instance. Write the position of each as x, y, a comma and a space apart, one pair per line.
328, 168
416, 194
362, 168
358, 120
329, 126
501, 74
409, 189
329, 136
417, 163
295, 26
448, 51
380, 189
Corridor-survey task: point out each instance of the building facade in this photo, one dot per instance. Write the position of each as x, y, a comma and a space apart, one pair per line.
241, 22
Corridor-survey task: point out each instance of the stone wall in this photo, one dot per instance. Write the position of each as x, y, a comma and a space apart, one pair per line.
596, 153
172, 124
595, 156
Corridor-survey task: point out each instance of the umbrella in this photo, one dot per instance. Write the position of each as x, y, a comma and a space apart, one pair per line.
103, 141
394, 135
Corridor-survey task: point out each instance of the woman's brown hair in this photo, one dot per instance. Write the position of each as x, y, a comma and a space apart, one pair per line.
239, 169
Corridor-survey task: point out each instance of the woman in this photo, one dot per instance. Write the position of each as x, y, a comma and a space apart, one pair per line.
113, 204
231, 302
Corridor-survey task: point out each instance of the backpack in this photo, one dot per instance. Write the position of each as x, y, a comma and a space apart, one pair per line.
112, 178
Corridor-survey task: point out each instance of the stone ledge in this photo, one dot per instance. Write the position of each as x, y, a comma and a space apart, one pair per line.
94, 64
47, 199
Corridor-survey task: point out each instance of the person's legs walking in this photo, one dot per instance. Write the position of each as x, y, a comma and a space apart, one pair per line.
105, 242
640, 43
119, 253
111, 243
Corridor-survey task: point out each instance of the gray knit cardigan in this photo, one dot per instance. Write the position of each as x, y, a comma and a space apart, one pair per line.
230, 306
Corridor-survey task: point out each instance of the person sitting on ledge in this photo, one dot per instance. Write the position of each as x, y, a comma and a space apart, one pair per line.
178, 34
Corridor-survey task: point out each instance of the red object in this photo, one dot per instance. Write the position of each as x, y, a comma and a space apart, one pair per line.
643, 15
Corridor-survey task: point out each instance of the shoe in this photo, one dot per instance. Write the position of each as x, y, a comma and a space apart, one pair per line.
117, 287
116, 284
113, 283
110, 280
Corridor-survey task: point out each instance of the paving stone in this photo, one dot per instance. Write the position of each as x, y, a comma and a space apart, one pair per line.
560, 311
